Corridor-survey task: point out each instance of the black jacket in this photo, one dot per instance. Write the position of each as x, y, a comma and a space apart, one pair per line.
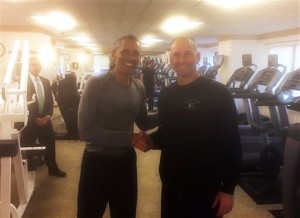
33, 108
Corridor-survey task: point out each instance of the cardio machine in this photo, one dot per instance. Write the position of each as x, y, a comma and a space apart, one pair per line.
272, 156
203, 69
239, 80
212, 71
287, 179
289, 174
67, 97
255, 136
241, 76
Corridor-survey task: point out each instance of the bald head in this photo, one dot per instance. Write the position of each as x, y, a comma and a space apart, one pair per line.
185, 40
184, 58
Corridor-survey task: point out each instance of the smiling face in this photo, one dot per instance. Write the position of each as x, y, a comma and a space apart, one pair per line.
127, 56
184, 57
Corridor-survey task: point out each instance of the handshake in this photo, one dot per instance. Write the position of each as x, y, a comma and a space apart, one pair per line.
142, 141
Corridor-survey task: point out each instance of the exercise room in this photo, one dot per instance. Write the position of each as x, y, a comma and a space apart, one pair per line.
149, 109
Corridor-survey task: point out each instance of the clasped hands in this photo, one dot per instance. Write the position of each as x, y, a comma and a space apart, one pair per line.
40, 121
142, 141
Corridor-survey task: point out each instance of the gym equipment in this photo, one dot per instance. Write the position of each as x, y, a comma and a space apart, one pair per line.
263, 84
212, 71
271, 157
13, 108
289, 175
68, 101
241, 76
203, 69
284, 97
288, 178
255, 137
239, 80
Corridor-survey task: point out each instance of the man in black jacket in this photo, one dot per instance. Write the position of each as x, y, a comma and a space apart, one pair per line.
148, 78
39, 125
199, 140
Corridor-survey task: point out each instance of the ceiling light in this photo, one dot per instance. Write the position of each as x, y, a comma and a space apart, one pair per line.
232, 4
80, 39
149, 41
57, 20
179, 24
92, 47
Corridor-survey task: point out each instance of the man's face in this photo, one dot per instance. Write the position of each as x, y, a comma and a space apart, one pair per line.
34, 67
184, 57
127, 56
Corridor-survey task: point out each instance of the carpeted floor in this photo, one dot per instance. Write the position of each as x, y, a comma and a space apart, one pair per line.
56, 197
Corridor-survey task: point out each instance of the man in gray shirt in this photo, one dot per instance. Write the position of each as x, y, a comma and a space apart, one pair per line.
109, 106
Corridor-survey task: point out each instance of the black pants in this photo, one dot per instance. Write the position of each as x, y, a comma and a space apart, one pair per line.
150, 96
107, 179
45, 135
187, 206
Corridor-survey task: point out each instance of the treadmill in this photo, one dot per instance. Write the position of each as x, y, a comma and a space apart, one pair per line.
255, 136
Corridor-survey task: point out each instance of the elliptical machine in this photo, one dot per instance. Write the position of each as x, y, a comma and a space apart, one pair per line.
212, 71
203, 69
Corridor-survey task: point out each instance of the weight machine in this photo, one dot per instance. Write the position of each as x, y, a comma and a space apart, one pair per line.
13, 109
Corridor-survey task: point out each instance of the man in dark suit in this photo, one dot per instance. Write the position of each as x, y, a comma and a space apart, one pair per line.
39, 125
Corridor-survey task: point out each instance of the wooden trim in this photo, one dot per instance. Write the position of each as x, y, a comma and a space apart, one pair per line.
210, 45
236, 37
19, 28
283, 33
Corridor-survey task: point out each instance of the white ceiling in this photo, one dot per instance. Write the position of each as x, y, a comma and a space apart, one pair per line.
107, 20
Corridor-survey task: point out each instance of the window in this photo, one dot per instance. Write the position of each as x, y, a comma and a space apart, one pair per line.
288, 55
285, 56
100, 63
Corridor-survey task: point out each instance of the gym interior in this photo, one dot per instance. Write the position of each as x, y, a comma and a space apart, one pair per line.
252, 49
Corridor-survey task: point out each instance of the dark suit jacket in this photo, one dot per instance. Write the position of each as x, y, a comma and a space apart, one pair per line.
34, 108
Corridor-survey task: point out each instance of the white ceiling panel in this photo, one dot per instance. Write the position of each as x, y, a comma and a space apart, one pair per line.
106, 20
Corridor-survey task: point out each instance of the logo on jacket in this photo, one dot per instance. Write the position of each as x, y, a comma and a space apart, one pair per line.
191, 104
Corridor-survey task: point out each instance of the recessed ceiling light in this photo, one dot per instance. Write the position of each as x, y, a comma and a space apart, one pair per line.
148, 41
179, 24
80, 39
57, 20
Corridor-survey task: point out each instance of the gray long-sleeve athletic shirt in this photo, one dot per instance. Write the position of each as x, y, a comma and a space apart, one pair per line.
107, 112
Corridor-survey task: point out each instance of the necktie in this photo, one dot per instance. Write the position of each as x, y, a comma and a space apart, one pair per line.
40, 96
